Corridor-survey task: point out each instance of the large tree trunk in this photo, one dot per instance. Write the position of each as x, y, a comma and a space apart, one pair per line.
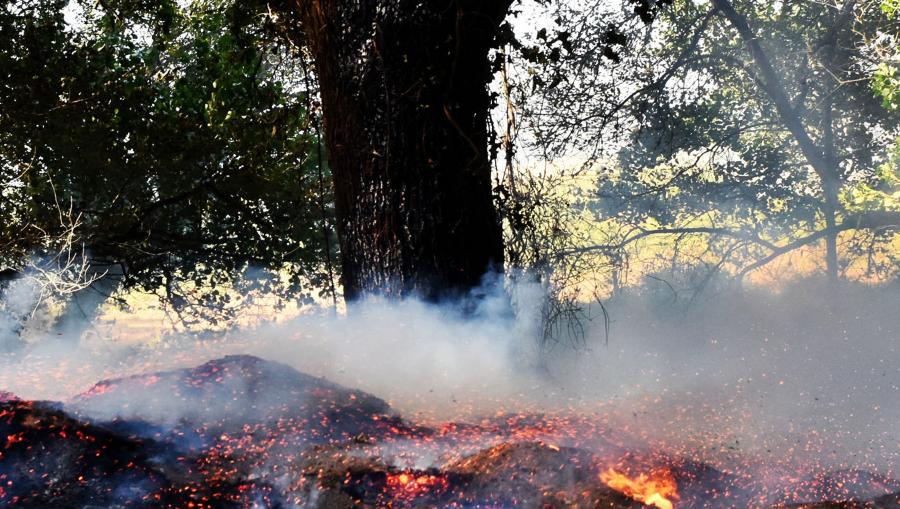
404, 95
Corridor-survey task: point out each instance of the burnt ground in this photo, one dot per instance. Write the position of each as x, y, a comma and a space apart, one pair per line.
243, 432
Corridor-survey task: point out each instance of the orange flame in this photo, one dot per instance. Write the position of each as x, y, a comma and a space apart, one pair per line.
657, 489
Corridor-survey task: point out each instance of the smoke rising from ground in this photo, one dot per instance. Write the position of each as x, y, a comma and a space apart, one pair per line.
807, 376
17, 300
811, 374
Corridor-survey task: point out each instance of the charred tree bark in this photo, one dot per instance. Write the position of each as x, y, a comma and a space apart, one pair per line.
404, 95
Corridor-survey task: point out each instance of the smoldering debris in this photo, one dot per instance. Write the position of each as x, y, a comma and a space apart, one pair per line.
775, 398
254, 433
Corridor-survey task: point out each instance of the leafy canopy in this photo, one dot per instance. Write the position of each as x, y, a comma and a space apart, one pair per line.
178, 134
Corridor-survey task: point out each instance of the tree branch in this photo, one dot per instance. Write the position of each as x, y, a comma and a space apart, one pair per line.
775, 89
874, 220
722, 232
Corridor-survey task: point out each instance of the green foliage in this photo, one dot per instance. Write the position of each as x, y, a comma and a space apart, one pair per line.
715, 145
687, 138
886, 79
886, 84
882, 193
180, 135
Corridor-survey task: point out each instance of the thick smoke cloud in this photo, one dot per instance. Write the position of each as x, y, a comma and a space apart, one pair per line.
808, 376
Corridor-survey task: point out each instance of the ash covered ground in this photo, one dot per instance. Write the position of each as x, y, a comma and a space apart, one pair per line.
244, 432
752, 399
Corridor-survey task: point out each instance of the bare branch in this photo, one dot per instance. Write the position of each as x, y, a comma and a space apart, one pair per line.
723, 232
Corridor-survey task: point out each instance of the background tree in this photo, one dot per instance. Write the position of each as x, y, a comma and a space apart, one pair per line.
751, 124
178, 135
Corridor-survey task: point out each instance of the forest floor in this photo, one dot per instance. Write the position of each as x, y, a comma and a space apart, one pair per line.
243, 432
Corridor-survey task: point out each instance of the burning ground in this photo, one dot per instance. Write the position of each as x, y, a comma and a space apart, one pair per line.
241, 432
750, 400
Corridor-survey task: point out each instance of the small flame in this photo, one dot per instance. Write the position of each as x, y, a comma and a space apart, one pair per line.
657, 489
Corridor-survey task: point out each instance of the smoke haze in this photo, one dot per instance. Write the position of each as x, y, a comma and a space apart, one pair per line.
807, 377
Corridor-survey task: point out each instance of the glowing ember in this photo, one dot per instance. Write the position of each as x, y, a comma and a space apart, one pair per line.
657, 489
410, 485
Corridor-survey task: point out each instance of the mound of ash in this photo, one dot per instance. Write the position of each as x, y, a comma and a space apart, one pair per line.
529, 474
329, 477
845, 486
52, 460
242, 432
891, 501
523, 474
217, 435
234, 398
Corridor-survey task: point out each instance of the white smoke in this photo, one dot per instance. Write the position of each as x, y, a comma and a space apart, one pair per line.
18, 300
807, 376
